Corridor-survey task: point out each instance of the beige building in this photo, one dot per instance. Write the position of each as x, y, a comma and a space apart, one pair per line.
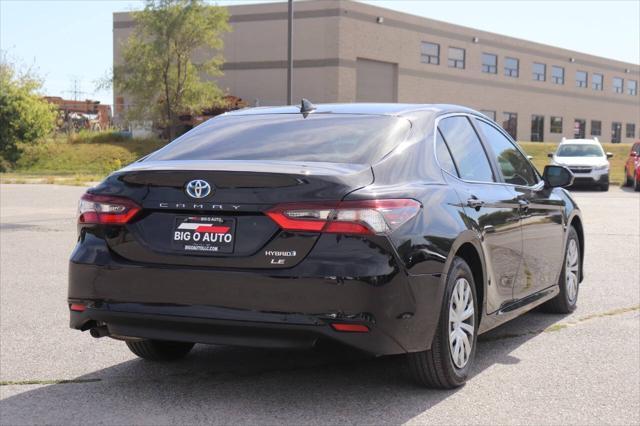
346, 51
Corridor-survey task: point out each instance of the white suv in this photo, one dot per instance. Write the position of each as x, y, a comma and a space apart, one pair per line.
586, 159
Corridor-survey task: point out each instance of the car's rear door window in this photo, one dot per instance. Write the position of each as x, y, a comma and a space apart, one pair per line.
515, 168
444, 156
337, 138
466, 149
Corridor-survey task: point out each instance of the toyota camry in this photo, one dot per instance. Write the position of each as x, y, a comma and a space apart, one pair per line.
389, 228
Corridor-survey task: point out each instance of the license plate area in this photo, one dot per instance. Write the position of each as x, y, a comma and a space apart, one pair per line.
204, 234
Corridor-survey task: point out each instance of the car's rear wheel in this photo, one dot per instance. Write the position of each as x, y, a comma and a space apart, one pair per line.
159, 350
448, 363
636, 183
569, 282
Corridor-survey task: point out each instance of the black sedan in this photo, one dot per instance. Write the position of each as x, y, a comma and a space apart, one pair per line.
394, 229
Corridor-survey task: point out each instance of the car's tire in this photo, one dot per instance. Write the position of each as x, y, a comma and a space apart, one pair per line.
636, 183
569, 282
627, 180
604, 187
435, 367
159, 350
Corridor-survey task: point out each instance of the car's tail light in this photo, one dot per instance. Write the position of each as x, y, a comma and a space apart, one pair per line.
78, 307
350, 328
346, 217
106, 209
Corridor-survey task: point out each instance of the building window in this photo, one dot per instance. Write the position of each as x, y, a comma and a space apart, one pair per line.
511, 67
596, 81
630, 130
596, 127
430, 53
557, 74
632, 87
582, 79
579, 128
537, 128
539, 71
616, 132
510, 124
555, 125
456, 57
489, 63
490, 114
618, 83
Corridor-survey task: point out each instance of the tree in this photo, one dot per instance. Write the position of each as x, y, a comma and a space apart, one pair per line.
159, 73
25, 117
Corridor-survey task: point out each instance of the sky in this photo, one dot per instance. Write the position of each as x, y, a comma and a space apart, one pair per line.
69, 43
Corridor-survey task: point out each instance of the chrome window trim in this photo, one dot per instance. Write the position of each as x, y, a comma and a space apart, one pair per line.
537, 187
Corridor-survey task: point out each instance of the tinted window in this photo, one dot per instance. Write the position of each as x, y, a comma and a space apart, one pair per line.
510, 124
596, 127
444, 156
557, 75
618, 83
511, 67
596, 81
556, 125
456, 57
466, 149
430, 53
289, 137
489, 63
581, 79
539, 71
514, 166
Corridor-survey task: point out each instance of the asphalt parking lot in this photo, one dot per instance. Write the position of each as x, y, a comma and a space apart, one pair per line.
539, 369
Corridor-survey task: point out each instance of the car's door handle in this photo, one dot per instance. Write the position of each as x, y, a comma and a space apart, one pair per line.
474, 203
524, 205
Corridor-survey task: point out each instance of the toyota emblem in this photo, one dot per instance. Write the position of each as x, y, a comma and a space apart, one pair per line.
198, 188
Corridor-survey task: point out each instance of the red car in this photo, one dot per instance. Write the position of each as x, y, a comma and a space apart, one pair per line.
632, 167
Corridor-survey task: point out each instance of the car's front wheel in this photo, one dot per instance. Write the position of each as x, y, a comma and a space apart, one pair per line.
636, 183
159, 350
448, 363
569, 282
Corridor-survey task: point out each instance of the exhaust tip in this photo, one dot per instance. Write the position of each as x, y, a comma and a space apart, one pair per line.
98, 332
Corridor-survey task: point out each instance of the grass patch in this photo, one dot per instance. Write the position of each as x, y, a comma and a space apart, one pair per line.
539, 150
81, 157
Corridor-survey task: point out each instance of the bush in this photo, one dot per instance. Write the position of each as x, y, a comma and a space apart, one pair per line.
25, 118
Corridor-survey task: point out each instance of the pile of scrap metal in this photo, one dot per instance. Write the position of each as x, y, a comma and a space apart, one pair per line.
77, 115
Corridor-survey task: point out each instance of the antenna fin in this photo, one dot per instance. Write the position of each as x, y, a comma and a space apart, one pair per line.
306, 107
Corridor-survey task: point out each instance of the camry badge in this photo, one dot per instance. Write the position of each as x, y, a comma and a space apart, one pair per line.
198, 188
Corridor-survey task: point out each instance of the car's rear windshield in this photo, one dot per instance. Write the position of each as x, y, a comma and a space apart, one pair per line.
577, 150
336, 138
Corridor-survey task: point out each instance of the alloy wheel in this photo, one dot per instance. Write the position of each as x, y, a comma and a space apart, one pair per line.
461, 323
571, 270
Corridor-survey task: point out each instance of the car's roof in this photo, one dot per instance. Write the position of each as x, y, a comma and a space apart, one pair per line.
390, 109
581, 141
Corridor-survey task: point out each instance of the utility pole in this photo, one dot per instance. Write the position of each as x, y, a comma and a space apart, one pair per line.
289, 52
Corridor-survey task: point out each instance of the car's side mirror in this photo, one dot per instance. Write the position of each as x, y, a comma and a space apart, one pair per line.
557, 176
550, 155
529, 157
609, 155
633, 154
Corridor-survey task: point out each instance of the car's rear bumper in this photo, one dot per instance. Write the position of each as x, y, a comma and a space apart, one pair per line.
256, 308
